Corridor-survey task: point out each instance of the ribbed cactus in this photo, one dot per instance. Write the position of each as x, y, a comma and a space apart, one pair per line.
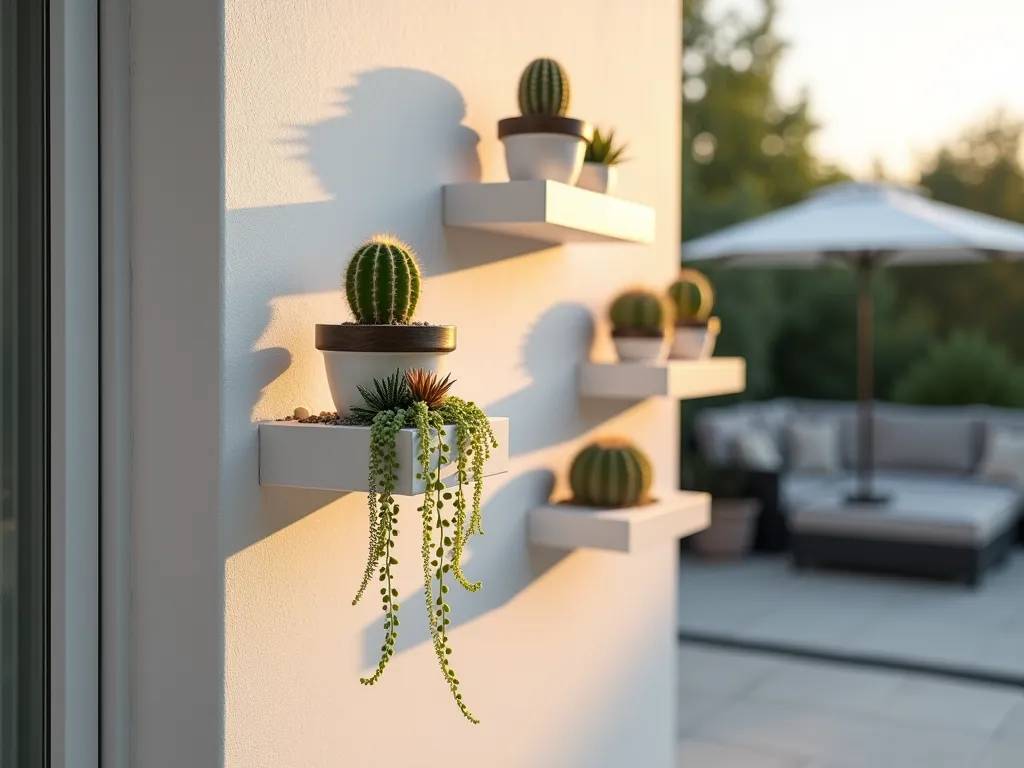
638, 310
544, 88
382, 282
610, 473
692, 298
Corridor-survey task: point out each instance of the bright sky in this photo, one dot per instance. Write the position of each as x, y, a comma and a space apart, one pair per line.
894, 78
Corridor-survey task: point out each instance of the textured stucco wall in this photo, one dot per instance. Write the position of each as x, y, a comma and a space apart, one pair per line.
343, 117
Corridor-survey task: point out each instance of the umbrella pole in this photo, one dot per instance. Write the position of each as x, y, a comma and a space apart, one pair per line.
865, 493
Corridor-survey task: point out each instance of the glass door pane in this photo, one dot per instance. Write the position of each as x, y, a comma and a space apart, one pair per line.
24, 402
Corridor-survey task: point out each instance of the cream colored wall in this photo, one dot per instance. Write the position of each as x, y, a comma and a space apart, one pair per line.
344, 117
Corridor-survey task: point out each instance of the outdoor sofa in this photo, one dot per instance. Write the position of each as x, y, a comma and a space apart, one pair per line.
955, 477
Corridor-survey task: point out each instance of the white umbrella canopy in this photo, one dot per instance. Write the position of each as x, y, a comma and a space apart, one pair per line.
896, 225
863, 225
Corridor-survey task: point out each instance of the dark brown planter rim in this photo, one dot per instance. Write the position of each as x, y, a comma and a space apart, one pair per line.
691, 324
385, 338
636, 333
569, 126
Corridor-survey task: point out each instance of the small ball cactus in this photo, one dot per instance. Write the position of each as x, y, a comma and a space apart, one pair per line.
544, 88
611, 473
692, 298
382, 282
638, 311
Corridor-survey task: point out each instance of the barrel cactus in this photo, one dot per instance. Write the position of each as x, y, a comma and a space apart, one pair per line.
544, 88
638, 312
610, 473
692, 298
382, 282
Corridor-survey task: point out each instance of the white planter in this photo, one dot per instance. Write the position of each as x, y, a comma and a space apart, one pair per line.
552, 156
693, 343
598, 177
347, 371
639, 349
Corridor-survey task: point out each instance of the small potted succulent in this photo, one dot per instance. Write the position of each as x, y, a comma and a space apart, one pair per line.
638, 326
611, 473
542, 143
382, 287
419, 399
696, 332
599, 164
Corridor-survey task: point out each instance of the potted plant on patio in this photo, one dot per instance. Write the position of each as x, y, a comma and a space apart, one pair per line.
542, 143
611, 473
382, 288
638, 326
733, 515
600, 162
696, 332
419, 399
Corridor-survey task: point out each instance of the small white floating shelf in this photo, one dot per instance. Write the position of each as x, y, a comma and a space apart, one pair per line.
676, 515
334, 458
681, 379
547, 211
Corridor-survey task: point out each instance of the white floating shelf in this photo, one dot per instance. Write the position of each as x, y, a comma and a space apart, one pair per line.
337, 458
681, 379
676, 515
547, 211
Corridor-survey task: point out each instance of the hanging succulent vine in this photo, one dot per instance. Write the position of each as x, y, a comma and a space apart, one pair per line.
419, 400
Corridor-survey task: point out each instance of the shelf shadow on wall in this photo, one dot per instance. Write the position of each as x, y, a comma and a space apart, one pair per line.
549, 411
501, 559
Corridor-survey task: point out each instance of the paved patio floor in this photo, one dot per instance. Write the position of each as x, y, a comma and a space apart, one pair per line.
752, 710
765, 602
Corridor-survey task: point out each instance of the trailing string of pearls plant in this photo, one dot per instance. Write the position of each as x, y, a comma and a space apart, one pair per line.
420, 400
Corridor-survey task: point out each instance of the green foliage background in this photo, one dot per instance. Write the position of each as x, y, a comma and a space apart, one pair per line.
797, 328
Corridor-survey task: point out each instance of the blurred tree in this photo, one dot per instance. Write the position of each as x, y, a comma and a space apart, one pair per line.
981, 170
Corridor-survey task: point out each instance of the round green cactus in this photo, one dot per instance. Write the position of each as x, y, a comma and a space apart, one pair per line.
638, 310
611, 473
382, 282
692, 298
544, 88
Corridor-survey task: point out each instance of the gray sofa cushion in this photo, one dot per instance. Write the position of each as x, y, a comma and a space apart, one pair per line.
958, 511
926, 442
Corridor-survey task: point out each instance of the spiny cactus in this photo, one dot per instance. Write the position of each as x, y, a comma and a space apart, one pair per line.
638, 310
382, 282
692, 298
544, 88
610, 473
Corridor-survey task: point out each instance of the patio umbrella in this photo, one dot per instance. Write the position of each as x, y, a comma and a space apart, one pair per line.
864, 226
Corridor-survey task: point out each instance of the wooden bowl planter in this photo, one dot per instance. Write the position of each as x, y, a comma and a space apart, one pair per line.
638, 326
543, 143
696, 332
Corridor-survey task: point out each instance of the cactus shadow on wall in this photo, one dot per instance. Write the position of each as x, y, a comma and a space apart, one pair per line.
549, 411
500, 559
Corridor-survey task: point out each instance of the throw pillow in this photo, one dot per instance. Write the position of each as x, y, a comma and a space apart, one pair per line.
814, 446
756, 450
1003, 461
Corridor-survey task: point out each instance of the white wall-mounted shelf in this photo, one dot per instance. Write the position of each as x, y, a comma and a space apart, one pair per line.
681, 379
676, 515
337, 458
547, 211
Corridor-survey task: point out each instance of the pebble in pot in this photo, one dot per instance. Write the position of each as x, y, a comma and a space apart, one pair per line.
382, 288
638, 326
696, 332
600, 164
543, 143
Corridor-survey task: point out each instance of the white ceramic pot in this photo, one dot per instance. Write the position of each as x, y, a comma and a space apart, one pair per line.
638, 349
551, 156
693, 342
598, 177
355, 355
347, 371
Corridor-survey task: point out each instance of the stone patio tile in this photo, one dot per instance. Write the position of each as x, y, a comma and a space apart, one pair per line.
722, 672
812, 684
710, 754
962, 705
695, 706
1011, 730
